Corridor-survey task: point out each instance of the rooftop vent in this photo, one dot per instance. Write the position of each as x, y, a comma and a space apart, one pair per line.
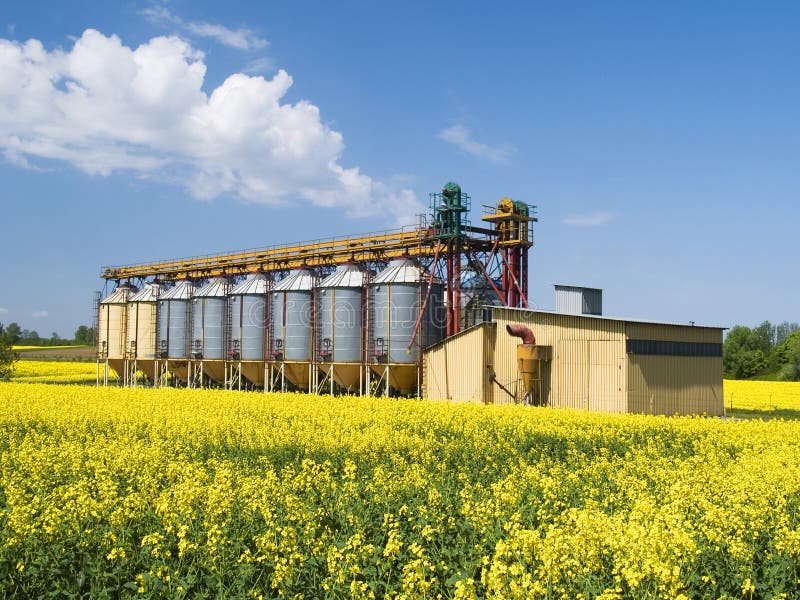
576, 300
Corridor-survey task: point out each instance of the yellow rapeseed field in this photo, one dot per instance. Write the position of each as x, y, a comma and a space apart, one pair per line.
762, 396
23, 348
43, 371
110, 492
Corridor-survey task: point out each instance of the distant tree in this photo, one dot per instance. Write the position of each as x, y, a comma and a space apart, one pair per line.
33, 337
7, 355
84, 335
745, 350
788, 354
784, 330
13, 333
763, 338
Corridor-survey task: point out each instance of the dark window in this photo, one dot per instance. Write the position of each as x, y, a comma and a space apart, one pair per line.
662, 348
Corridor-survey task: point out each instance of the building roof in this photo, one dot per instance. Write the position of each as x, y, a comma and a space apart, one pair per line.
577, 287
470, 329
643, 321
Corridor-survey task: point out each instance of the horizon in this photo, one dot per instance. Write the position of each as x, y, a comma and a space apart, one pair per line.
659, 143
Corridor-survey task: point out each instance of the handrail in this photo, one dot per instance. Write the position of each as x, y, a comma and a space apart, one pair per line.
385, 245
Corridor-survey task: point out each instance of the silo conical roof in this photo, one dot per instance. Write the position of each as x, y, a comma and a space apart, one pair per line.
150, 293
216, 288
121, 295
403, 270
297, 280
257, 285
183, 290
348, 275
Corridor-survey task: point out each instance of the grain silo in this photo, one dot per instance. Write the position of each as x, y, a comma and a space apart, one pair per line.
282, 336
209, 323
248, 306
141, 334
340, 338
406, 316
291, 330
174, 326
112, 324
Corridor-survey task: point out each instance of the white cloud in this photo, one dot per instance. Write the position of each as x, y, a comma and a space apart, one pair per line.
241, 39
3, 310
594, 219
18, 160
258, 65
103, 107
39, 314
461, 137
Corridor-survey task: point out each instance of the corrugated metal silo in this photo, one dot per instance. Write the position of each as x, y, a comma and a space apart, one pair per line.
290, 326
141, 335
477, 293
174, 326
112, 322
209, 317
397, 295
340, 344
248, 303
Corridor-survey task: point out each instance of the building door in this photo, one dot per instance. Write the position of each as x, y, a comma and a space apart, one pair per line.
572, 381
604, 376
589, 375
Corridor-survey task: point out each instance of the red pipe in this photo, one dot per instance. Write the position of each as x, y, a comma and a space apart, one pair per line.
523, 332
489, 279
449, 290
457, 292
513, 279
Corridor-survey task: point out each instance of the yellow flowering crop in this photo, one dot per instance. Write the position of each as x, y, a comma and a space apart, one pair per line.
757, 397
23, 348
43, 371
118, 492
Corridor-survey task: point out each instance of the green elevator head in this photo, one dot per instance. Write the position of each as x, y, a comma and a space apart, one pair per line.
452, 192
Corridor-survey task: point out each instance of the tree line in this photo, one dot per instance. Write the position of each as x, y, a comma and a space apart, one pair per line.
767, 351
13, 335
16, 335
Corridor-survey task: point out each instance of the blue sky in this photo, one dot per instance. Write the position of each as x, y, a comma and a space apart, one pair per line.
660, 141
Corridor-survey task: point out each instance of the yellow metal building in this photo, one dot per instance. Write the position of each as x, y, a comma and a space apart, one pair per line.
591, 363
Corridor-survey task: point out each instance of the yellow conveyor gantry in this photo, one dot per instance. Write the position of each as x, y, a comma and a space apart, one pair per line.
417, 242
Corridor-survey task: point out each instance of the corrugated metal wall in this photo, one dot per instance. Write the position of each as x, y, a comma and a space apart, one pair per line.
569, 300
459, 368
671, 385
588, 370
675, 385
578, 300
